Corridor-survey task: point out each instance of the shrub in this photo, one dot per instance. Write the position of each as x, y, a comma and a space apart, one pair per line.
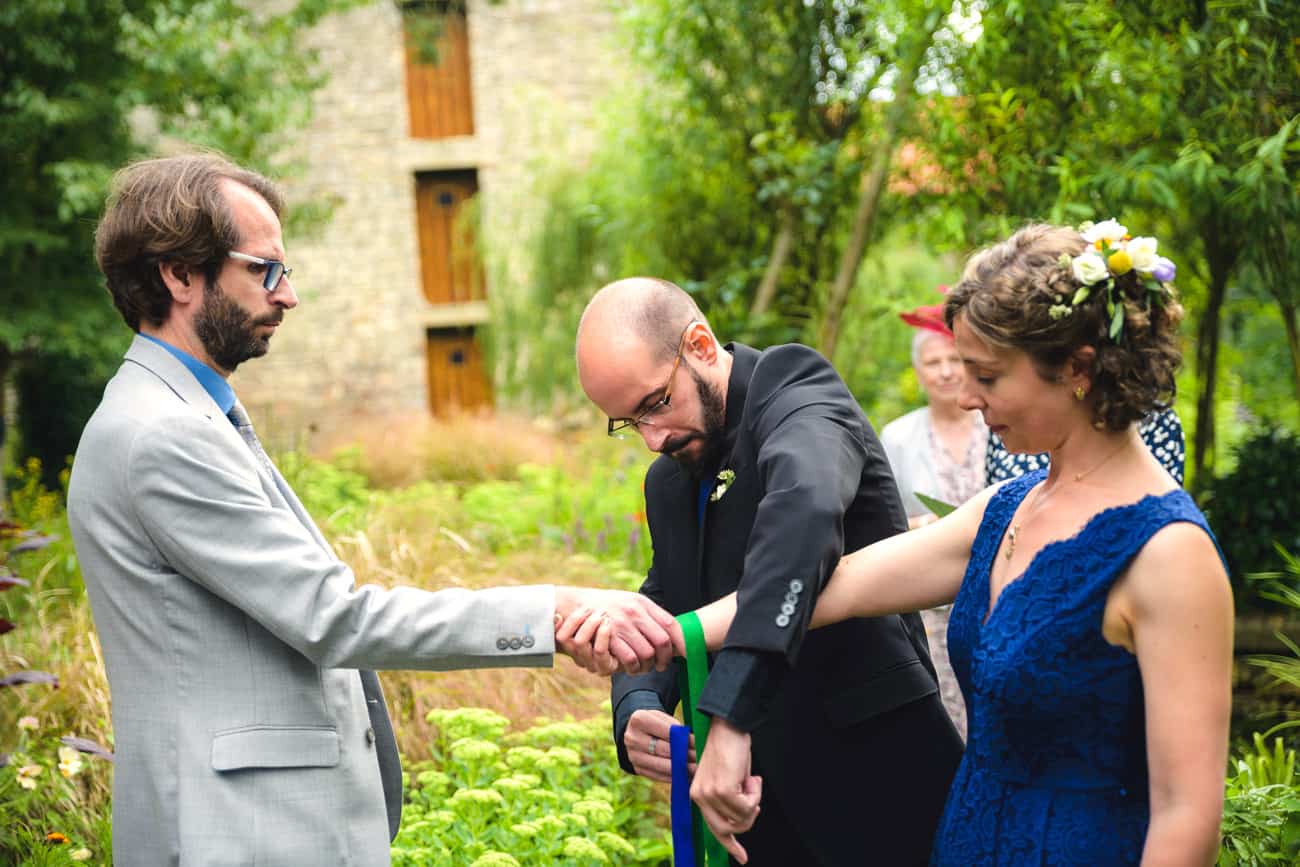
552, 794
1258, 503
51, 799
1261, 808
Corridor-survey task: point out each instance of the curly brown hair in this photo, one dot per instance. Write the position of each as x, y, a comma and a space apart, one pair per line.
1006, 296
169, 209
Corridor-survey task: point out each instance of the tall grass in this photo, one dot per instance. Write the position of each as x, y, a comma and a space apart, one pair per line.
470, 502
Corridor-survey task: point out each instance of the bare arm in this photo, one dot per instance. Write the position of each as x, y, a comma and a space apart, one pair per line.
908, 572
1178, 605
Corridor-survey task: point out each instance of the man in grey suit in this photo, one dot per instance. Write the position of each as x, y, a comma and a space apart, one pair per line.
249, 724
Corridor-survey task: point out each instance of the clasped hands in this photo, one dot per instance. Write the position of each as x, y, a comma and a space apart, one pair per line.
605, 631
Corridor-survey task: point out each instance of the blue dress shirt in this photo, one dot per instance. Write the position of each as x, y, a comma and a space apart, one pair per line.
214, 383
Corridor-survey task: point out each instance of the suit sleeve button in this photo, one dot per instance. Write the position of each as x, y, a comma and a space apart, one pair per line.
791, 598
503, 644
370, 737
529, 641
783, 620
516, 643
796, 586
787, 609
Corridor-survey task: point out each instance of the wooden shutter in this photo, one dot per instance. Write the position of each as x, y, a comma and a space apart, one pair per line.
457, 378
449, 266
438, 94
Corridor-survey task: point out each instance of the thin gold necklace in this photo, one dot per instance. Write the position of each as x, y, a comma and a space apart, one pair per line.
1014, 532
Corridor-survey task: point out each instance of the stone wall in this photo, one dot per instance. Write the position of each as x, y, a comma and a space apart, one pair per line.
355, 346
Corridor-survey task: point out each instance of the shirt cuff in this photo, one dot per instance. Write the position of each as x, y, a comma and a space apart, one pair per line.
742, 686
637, 699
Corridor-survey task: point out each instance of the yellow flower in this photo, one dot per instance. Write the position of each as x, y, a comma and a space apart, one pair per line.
1120, 262
82, 854
27, 722
69, 762
27, 775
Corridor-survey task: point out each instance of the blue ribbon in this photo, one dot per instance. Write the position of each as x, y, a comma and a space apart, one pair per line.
679, 744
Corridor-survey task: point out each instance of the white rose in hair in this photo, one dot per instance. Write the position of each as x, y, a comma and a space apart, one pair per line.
1109, 231
1143, 253
1089, 267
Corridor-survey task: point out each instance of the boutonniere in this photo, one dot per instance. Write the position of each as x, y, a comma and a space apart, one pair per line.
725, 478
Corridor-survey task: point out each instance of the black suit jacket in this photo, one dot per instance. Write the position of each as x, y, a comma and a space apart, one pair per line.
811, 483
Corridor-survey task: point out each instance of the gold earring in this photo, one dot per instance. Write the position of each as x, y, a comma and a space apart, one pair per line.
1079, 392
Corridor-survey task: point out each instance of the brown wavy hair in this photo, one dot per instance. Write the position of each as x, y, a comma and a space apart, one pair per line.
169, 209
1006, 296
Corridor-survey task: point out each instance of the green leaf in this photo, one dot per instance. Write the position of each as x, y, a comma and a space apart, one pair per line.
1117, 322
939, 507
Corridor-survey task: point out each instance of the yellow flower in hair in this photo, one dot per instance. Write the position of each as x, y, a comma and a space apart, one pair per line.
1120, 262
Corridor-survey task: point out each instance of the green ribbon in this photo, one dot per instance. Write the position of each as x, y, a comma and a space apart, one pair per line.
708, 851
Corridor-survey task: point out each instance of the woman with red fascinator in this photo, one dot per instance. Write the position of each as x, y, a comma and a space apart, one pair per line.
937, 450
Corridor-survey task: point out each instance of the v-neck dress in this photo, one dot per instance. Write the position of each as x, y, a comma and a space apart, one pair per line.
1055, 769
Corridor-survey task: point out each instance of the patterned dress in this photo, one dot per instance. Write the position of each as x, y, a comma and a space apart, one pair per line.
1055, 769
1161, 431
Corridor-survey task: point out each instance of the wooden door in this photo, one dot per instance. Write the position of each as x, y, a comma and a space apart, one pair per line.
438, 95
449, 266
457, 378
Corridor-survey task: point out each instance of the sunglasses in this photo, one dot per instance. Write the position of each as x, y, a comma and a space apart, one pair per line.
274, 273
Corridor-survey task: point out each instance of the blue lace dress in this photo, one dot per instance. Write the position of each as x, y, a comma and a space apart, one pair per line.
1055, 769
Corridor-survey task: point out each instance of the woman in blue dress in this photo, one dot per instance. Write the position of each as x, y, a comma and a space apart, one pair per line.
1092, 624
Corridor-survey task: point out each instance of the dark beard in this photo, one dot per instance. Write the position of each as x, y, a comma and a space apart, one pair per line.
226, 330
713, 404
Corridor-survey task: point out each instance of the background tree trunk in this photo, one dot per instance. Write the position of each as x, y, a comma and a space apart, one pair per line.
781, 247
1292, 343
869, 199
1207, 363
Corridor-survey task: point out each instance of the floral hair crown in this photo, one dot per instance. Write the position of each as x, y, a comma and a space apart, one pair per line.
1113, 255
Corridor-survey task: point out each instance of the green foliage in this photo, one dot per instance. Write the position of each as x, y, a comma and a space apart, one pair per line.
51, 566
1261, 808
705, 158
552, 794
57, 394
45, 799
1258, 503
334, 492
875, 354
601, 513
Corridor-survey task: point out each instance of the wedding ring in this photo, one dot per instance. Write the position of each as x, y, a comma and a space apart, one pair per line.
651, 749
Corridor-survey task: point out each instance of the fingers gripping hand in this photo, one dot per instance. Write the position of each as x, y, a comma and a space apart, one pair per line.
727, 794
569, 638
646, 740
607, 630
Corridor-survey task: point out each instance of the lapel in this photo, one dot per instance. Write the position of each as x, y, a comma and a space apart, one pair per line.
743, 361
178, 378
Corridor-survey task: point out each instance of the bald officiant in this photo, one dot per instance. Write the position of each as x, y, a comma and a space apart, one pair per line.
768, 473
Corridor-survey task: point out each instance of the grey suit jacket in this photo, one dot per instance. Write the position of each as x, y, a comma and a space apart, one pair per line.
232, 636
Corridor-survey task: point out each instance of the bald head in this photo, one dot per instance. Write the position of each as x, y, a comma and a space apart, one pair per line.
638, 310
648, 360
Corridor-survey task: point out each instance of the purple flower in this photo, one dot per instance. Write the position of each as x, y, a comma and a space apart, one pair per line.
1164, 270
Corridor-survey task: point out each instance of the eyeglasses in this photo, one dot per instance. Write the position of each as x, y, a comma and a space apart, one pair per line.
274, 273
618, 425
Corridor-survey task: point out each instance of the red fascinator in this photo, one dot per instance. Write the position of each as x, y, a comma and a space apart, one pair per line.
928, 316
